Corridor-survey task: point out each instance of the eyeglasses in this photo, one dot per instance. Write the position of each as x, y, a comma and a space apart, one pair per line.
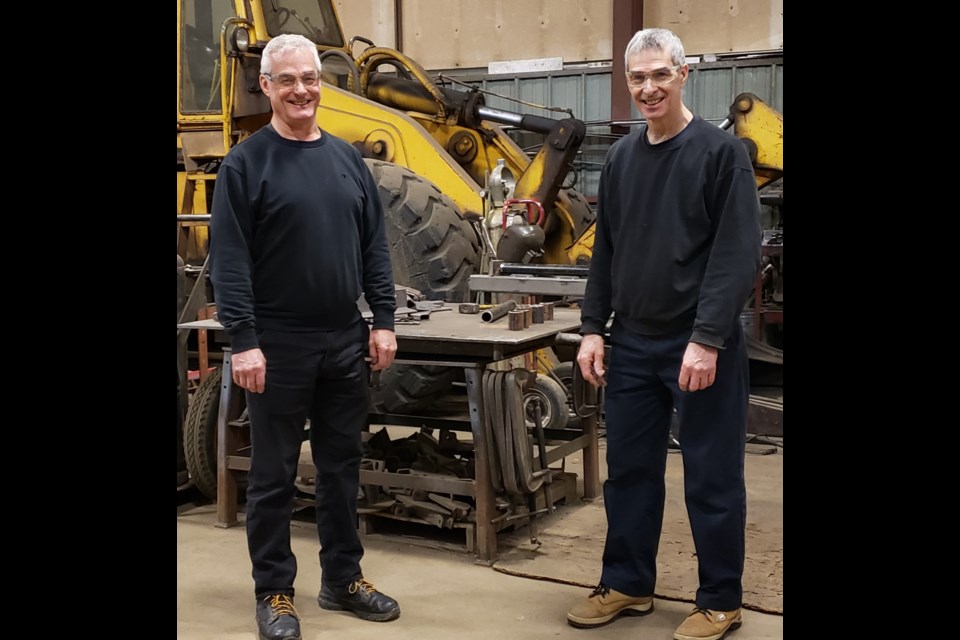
289, 81
657, 78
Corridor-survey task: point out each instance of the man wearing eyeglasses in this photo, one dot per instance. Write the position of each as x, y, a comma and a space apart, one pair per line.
676, 252
297, 234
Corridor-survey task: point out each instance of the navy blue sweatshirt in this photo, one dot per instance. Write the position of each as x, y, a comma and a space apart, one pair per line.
678, 235
296, 235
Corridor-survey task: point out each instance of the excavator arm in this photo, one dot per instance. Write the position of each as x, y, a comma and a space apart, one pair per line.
760, 128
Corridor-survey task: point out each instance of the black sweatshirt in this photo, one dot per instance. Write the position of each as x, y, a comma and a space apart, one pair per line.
296, 235
678, 235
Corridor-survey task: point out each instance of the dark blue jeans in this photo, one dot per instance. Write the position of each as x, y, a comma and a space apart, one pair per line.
641, 393
323, 376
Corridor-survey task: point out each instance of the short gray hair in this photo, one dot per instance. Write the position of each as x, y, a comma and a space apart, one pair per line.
661, 39
284, 43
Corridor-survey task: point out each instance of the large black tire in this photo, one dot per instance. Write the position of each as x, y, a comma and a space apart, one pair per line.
434, 250
182, 475
200, 432
583, 216
564, 371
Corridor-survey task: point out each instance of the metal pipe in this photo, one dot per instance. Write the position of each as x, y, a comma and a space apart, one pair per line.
568, 339
516, 320
537, 124
542, 451
354, 81
511, 268
193, 217
494, 314
537, 313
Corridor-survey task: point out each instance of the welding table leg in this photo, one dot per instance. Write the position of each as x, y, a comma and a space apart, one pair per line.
486, 531
226, 481
591, 459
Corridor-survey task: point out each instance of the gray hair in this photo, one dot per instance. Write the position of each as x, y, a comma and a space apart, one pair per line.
282, 44
661, 39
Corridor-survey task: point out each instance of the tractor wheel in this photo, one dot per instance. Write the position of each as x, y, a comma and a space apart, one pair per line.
564, 371
553, 403
434, 250
182, 475
200, 432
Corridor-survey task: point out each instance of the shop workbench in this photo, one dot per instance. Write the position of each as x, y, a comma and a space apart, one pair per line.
451, 339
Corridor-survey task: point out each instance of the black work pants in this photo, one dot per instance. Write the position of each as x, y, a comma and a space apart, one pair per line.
640, 396
323, 376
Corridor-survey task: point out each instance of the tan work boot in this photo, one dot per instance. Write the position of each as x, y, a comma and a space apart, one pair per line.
706, 624
605, 604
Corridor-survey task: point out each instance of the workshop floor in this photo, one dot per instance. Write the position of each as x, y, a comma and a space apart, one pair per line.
443, 594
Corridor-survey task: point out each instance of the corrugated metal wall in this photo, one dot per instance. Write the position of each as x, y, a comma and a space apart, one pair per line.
711, 90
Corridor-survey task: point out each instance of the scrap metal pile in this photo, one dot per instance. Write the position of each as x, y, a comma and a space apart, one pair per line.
518, 474
419, 454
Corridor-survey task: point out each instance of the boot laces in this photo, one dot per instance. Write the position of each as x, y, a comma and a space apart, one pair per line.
282, 605
361, 584
600, 590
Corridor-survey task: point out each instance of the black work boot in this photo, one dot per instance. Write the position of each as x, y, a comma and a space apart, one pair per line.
277, 619
361, 598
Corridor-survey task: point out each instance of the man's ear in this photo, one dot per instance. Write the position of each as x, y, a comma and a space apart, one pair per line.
264, 83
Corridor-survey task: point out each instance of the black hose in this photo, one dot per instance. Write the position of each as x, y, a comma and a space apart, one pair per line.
354, 72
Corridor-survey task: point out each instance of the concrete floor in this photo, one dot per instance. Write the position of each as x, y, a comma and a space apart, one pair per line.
442, 593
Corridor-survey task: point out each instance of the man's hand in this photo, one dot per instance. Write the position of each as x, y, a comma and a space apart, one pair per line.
699, 367
590, 359
383, 348
249, 369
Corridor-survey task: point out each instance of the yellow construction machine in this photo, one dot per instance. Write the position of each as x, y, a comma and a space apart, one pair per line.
444, 166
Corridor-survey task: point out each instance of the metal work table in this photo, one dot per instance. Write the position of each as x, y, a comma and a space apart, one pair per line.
447, 338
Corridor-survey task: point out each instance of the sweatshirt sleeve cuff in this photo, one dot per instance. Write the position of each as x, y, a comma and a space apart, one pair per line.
589, 327
707, 339
243, 339
383, 319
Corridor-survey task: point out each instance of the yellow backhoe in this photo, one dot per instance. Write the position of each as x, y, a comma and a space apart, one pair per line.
443, 164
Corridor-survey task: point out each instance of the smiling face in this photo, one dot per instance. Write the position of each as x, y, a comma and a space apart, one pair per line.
656, 103
295, 106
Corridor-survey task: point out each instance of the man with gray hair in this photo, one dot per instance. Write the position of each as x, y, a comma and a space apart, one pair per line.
674, 260
297, 234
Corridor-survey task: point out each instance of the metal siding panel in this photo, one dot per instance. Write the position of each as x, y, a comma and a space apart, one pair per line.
713, 95
755, 80
566, 92
533, 90
778, 89
597, 96
503, 88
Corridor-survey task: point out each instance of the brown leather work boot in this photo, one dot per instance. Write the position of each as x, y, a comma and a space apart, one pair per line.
605, 604
707, 624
